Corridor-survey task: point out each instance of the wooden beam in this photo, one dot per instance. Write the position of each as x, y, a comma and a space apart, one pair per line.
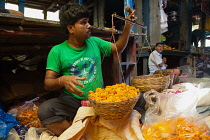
9, 19
52, 4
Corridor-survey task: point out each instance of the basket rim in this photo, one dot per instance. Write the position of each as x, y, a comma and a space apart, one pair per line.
150, 75
102, 102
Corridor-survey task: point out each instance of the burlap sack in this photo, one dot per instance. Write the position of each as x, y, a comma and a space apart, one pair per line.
89, 126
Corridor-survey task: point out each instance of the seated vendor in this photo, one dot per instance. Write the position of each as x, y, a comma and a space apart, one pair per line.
157, 63
75, 65
201, 65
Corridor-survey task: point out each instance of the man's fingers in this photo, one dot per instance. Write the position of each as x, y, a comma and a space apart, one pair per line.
78, 91
80, 78
133, 11
72, 88
79, 84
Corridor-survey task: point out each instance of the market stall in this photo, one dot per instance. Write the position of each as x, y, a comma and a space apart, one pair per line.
141, 107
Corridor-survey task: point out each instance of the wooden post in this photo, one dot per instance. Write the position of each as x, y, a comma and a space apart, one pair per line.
138, 8
203, 32
101, 10
186, 25
154, 22
95, 13
45, 13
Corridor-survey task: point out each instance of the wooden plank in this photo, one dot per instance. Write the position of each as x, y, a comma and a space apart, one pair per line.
41, 4
10, 19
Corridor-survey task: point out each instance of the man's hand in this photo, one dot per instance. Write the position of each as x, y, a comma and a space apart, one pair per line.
70, 82
131, 16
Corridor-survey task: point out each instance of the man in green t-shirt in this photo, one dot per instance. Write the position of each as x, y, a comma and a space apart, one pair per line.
75, 65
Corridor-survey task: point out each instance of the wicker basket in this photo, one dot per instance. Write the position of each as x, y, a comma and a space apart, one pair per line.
145, 83
114, 110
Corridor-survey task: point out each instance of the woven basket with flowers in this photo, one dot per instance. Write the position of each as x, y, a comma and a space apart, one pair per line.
114, 102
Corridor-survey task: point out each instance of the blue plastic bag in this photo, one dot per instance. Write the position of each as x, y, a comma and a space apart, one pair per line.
7, 122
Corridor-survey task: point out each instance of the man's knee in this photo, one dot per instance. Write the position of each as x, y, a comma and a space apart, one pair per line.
177, 71
45, 107
170, 71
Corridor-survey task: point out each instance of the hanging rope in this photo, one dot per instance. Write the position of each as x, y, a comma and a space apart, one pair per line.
114, 41
123, 78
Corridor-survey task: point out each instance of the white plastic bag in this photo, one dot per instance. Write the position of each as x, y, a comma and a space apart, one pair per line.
13, 135
174, 122
31, 134
172, 104
203, 97
178, 103
188, 86
202, 93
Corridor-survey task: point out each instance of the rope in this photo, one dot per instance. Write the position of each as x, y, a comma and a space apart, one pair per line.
117, 51
146, 39
21, 23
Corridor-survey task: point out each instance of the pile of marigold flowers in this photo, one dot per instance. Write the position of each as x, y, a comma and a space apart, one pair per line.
182, 129
116, 92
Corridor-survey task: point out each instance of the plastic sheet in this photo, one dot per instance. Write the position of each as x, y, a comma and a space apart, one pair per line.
7, 122
177, 120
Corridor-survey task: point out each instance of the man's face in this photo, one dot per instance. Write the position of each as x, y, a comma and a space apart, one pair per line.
81, 29
202, 57
159, 48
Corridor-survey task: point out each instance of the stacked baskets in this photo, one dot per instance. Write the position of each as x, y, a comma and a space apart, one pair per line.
145, 83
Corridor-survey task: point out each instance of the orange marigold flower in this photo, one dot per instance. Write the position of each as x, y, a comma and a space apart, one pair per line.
116, 92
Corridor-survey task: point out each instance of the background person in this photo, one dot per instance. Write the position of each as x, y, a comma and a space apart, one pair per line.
157, 63
201, 65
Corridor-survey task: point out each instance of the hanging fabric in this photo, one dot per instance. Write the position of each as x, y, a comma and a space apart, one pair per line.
163, 19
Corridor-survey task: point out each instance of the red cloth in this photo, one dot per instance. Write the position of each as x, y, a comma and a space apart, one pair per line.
85, 103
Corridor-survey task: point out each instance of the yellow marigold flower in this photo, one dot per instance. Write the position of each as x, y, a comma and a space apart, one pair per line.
116, 92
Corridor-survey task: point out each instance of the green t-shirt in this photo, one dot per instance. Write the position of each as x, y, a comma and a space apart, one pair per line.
82, 62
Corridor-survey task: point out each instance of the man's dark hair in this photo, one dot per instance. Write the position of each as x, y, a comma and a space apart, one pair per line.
71, 13
161, 43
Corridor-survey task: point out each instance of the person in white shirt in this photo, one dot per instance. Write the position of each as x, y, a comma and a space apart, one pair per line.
157, 63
